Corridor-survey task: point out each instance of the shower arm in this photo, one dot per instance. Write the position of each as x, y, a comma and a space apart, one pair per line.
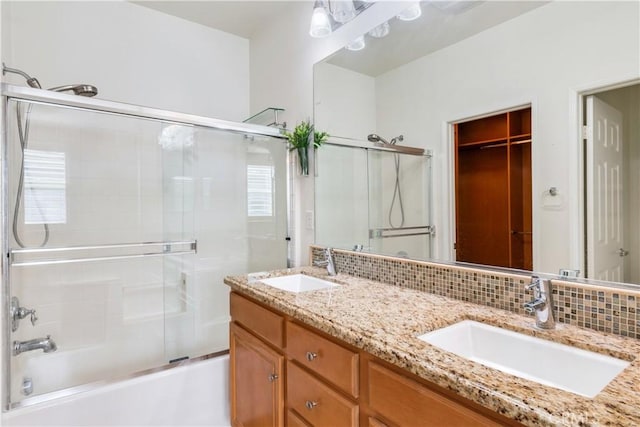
31, 81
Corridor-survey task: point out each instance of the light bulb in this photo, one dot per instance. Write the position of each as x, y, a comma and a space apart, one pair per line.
380, 31
412, 12
320, 25
343, 11
357, 44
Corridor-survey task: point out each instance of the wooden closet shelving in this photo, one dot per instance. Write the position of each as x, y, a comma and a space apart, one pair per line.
493, 190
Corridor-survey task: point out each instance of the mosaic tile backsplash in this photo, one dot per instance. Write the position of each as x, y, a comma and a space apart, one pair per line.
608, 310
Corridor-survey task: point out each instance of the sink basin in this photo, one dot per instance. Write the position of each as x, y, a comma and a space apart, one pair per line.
557, 365
298, 283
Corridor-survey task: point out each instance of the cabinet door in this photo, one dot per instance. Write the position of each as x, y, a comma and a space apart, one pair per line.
257, 391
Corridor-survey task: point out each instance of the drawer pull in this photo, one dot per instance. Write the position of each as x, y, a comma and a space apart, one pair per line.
273, 377
311, 356
310, 404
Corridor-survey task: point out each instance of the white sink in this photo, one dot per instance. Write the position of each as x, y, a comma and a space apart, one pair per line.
556, 365
298, 283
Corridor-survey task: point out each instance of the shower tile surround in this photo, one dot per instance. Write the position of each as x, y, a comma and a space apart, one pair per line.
608, 310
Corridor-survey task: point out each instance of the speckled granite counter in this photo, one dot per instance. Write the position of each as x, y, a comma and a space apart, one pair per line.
385, 320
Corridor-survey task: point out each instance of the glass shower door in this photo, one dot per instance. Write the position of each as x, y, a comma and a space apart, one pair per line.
97, 243
236, 190
342, 197
120, 232
399, 211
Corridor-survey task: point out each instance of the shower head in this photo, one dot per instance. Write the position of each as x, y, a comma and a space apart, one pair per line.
377, 138
79, 89
31, 81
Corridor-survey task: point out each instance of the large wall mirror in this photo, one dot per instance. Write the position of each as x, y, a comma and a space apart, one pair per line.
547, 91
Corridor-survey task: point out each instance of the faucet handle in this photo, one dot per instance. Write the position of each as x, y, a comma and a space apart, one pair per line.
33, 317
535, 283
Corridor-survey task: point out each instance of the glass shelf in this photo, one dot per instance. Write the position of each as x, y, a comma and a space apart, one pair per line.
267, 117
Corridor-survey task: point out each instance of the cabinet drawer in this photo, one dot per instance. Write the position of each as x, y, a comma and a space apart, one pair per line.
317, 402
259, 320
328, 359
404, 401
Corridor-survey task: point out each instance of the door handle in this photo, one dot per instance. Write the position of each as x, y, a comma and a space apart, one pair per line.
622, 252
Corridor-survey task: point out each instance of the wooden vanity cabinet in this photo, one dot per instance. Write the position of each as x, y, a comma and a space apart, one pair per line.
286, 373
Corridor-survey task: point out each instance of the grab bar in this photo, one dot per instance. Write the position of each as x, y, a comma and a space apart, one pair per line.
385, 233
166, 248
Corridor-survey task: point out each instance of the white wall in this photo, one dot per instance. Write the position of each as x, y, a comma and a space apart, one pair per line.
543, 57
131, 53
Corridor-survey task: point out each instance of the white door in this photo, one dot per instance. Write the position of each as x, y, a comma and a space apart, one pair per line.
605, 249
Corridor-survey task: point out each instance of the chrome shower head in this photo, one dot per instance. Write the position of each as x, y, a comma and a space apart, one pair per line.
376, 138
79, 89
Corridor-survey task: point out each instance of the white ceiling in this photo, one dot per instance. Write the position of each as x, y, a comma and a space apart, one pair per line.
238, 17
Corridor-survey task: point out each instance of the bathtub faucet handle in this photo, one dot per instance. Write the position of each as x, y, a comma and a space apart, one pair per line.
33, 317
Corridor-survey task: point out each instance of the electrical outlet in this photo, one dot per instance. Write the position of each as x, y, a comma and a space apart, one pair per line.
308, 220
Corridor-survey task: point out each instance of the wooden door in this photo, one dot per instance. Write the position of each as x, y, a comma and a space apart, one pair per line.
605, 234
256, 377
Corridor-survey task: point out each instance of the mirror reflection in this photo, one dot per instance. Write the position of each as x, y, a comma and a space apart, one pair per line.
532, 124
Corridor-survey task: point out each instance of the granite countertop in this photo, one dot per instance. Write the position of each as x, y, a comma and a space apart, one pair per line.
385, 320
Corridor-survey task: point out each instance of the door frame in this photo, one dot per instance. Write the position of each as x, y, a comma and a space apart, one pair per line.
577, 172
450, 190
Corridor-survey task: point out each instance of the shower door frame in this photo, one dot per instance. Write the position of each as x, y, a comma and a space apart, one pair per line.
57, 99
428, 229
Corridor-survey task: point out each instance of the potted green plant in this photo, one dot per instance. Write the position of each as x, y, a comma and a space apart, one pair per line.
301, 138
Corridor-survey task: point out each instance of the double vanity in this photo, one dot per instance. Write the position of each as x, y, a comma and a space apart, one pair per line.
312, 349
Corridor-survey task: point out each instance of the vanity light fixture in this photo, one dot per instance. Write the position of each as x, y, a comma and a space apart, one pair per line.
357, 44
320, 25
411, 13
380, 31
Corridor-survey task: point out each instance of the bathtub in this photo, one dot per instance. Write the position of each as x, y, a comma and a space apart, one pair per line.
189, 395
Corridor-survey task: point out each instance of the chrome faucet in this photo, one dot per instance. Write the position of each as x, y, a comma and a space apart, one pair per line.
328, 262
18, 313
542, 304
45, 344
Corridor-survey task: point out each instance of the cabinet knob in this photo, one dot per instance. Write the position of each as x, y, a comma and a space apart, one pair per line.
273, 377
311, 356
310, 404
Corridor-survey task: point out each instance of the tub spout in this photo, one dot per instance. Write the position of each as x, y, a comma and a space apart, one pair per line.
45, 344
